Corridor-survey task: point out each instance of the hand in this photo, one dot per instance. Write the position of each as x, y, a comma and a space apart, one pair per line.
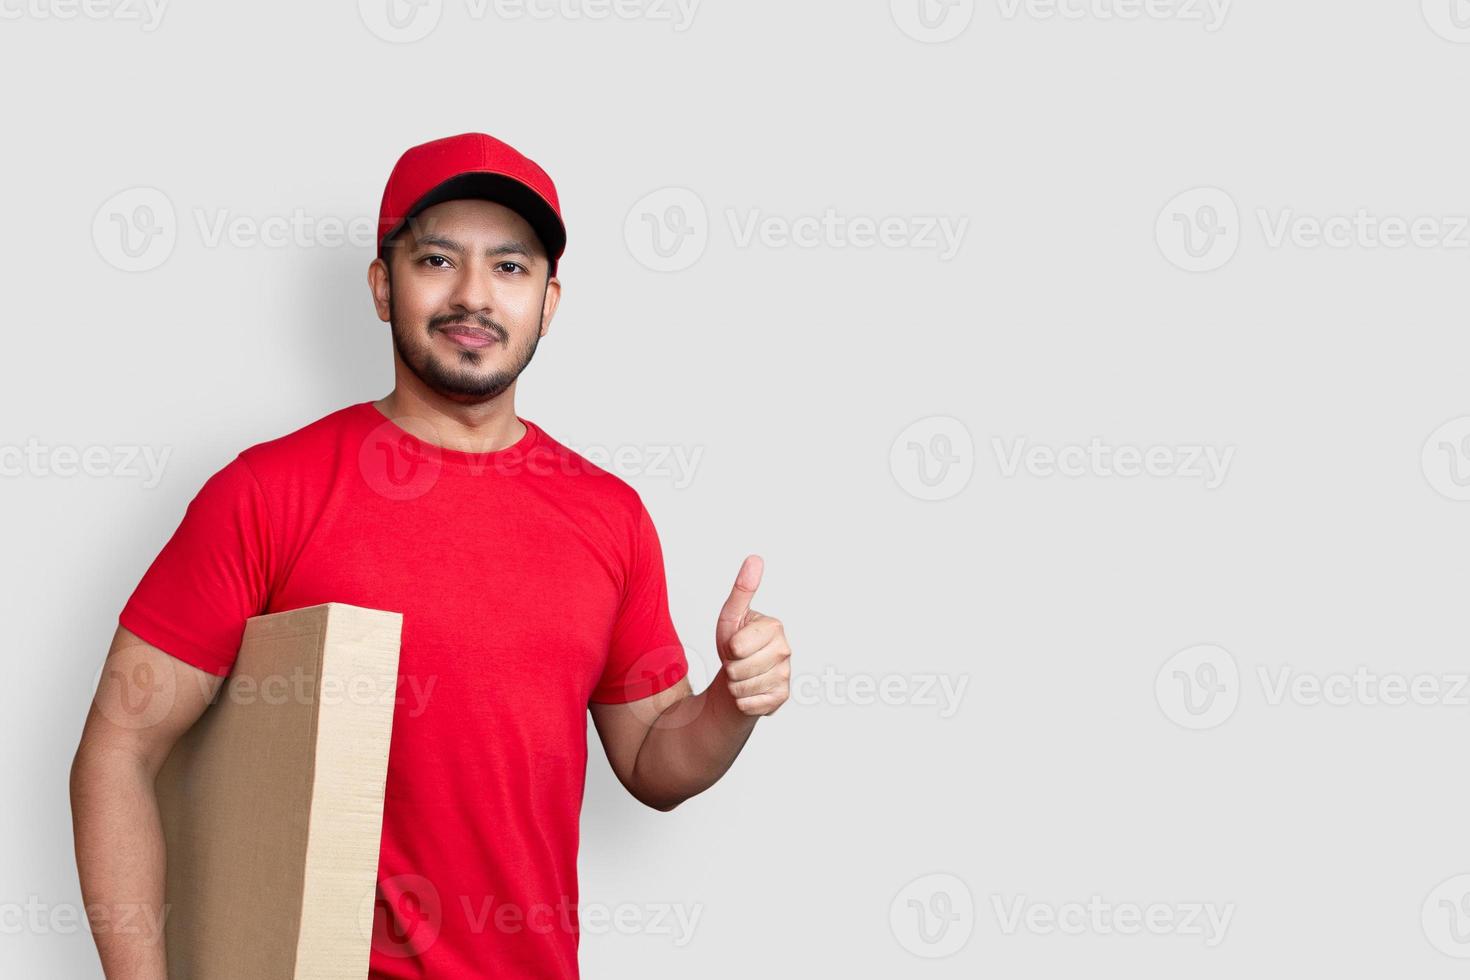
754, 655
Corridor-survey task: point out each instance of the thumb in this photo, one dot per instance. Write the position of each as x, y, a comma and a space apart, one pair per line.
737, 607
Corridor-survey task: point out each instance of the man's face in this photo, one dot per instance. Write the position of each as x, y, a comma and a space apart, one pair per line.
468, 298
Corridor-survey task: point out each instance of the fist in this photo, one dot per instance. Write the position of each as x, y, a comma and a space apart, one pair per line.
755, 660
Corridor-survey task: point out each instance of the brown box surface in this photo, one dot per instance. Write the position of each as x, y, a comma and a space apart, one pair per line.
272, 802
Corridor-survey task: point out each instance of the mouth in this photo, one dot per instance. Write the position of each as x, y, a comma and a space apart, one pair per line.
469, 336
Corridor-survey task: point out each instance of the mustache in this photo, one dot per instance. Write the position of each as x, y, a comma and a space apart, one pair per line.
472, 320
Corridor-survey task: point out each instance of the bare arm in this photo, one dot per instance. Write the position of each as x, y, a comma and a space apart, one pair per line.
676, 744
145, 700
673, 745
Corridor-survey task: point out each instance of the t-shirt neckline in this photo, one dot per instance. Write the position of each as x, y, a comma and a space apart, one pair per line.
454, 456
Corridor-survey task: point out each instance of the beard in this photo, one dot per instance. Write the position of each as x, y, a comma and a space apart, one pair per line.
464, 376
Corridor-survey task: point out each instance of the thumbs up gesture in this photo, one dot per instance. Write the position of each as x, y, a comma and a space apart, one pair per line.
754, 656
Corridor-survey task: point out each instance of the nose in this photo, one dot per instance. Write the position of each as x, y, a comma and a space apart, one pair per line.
474, 288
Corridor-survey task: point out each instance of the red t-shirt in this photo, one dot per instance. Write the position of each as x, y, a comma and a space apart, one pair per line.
530, 581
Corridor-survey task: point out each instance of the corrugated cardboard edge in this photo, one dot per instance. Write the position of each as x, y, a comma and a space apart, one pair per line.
203, 943
360, 655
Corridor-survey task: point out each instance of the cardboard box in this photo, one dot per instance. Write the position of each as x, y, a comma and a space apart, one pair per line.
272, 803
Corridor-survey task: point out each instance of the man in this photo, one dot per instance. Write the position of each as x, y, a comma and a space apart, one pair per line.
531, 585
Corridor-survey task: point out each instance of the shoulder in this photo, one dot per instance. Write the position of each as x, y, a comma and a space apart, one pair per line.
317, 441
578, 474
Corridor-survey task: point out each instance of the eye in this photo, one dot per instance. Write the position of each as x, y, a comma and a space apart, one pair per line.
431, 258
513, 265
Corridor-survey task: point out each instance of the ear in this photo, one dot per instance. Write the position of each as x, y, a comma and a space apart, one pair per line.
549, 304
382, 290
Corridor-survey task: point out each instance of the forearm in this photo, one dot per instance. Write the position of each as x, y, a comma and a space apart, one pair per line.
120, 861
690, 746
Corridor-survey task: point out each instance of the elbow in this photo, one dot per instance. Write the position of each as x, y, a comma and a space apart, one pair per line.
661, 805
75, 774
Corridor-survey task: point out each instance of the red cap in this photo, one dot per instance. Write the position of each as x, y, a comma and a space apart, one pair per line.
472, 165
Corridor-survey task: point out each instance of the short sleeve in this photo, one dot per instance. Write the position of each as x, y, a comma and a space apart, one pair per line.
645, 655
211, 576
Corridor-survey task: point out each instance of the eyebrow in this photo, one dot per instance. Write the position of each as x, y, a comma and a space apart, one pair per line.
512, 247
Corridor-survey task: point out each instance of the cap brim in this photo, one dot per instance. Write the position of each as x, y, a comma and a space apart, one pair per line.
502, 190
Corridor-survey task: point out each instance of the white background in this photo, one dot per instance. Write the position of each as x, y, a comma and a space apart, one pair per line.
828, 390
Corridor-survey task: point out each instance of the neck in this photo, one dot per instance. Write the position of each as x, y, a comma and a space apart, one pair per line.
482, 427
